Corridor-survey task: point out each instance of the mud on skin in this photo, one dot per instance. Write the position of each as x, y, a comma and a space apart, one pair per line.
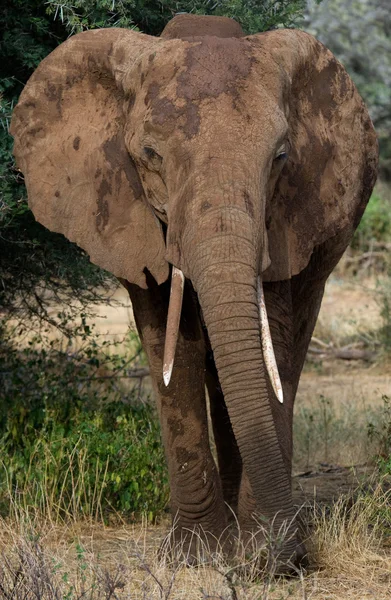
240, 160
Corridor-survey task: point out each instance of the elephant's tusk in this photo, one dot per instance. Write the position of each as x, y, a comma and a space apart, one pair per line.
173, 318
267, 345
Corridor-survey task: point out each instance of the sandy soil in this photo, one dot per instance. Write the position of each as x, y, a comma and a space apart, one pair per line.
348, 306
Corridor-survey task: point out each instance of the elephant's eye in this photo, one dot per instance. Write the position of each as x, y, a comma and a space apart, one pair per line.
281, 154
150, 153
152, 159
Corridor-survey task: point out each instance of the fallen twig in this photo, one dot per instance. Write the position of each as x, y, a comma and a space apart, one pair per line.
345, 353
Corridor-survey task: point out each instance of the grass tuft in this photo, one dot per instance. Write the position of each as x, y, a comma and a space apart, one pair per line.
51, 562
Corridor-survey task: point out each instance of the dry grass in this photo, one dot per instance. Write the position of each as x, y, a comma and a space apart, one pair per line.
349, 541
45, 562
333, 414
348, 536
350, 310
339, 400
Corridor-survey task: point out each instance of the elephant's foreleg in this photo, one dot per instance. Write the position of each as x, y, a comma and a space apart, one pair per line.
228, 455
196, 495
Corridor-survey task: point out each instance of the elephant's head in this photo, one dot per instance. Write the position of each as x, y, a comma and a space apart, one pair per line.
229, 157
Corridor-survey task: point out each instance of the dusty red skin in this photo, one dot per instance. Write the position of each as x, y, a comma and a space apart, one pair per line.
149, 151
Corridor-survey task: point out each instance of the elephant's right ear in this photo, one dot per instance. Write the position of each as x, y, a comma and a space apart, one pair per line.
69, 143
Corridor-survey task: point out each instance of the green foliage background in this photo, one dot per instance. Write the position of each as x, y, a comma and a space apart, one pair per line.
76, 438
359, 34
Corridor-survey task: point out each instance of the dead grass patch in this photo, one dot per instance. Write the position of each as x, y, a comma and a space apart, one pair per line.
334, 414
88, 560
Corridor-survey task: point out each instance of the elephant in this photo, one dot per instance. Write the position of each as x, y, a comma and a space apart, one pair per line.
220, 177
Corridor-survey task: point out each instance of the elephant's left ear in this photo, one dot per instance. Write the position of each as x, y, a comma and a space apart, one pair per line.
332, 163
69, 142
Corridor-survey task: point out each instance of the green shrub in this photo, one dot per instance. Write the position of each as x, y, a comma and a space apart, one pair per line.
98, 463
75, 439
375, 225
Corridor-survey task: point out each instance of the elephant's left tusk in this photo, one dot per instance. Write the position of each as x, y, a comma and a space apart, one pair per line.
267, 345
173, 319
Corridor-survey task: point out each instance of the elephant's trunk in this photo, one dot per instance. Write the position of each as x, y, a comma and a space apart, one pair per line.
223, 260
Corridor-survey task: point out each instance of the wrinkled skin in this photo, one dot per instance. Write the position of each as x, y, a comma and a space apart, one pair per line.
228, 157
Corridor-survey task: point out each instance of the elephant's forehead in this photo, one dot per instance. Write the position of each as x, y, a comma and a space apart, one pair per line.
182, 74
214, 66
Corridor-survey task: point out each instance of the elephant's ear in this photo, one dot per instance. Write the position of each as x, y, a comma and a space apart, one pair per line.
69, 143
332, 164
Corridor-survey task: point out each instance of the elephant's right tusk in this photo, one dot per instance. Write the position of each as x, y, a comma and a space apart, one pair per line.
173, 319
267, 345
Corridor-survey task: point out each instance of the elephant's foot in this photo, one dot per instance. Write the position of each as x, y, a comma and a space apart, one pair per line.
255, 550
275, 545
266, 550
195, 545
